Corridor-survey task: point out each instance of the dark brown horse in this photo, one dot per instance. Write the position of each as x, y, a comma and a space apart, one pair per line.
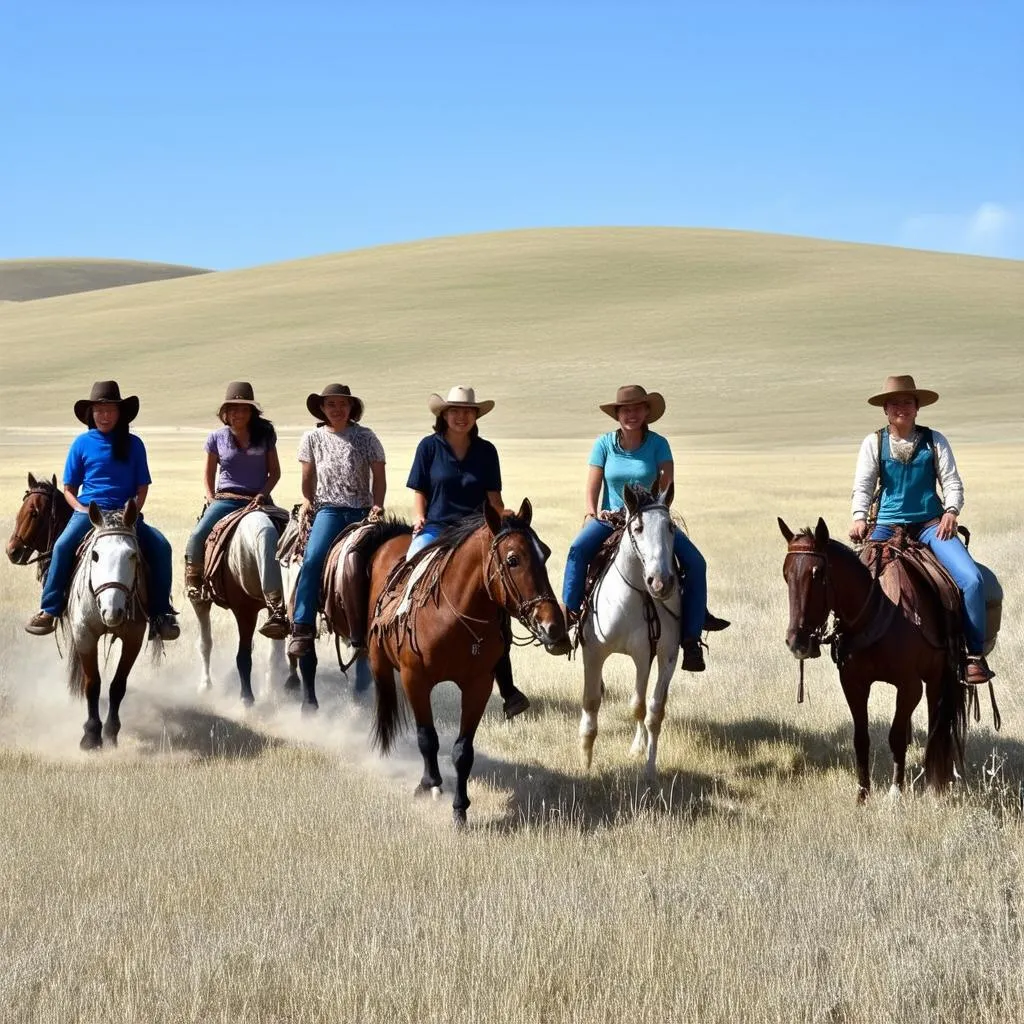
441, 617
872, 640
40, 521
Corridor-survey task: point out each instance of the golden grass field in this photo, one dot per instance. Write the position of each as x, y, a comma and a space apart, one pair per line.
224, 865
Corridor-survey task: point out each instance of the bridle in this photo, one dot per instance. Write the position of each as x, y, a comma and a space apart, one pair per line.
31, 543
130, 591
637, 517
523, 606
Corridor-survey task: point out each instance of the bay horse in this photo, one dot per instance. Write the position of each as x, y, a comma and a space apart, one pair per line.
873, 641
634, 609
440, 617
40, 521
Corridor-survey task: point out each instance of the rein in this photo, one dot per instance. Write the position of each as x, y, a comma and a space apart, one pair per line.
48, 491
130, 592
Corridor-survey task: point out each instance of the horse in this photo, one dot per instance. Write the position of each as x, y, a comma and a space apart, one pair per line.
873, 641
440, 617
40, 521
251, 570
106, 598
634, 609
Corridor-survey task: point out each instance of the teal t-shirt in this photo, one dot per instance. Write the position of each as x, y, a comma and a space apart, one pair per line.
639, 466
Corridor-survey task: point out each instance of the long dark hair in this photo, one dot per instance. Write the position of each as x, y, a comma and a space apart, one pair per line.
120, 436
441, 425
618, 435
261, 432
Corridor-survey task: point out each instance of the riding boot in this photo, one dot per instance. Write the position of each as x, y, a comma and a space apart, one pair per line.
41, 624
713, 624
164, 626
194, 572
693, 656
355, 595
276, 627
978, 671
302, 641
514, 701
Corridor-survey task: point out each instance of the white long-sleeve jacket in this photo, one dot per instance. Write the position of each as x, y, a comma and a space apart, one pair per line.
866, 475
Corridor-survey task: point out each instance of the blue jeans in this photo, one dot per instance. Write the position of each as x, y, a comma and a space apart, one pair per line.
215, 512
695, 592
429, 533
152, 543
958, 562
329, 522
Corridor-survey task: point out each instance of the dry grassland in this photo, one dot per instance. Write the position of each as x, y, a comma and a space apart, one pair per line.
28, 280
258, 866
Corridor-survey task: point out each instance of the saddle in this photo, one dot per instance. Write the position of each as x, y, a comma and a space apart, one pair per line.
215, 553
292, 545
409, 586
345, 584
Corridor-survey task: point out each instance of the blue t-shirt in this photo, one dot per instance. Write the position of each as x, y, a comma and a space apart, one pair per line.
99, 477
639, 466
454, 488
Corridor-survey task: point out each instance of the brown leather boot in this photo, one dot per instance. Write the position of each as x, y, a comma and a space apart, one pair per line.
194, 572
276, 627
978, 671
693, 656
302, 641
41, 624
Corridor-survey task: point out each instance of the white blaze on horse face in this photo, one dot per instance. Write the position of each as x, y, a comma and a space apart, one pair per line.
114, 561
653, 542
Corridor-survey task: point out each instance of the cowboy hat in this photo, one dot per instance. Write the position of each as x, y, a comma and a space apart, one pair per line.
238, 392
459, 397
903, 385
315, 402
632, 394
107, 391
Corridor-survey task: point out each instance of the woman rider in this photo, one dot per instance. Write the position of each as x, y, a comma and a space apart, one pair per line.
907, 462
343, 480
107, 464
635, 454
242, 464
453, 473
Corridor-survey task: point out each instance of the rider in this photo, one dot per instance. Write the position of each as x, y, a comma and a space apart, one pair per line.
635, 454
906, 462
453, 473
242, 464
343, 480
107, 465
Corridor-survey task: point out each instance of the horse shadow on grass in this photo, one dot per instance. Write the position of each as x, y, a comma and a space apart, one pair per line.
201, 734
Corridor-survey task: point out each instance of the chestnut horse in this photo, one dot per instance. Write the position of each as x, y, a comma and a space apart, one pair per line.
872, 641
440, 617
40, 521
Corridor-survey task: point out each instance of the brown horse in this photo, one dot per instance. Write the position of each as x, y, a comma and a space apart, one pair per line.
40, 521
441, 617
872, 641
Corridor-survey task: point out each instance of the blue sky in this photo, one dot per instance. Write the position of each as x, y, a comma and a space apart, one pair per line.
227, 134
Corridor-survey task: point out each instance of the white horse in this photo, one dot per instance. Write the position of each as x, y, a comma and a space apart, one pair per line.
636, 600
105, 599
252, 572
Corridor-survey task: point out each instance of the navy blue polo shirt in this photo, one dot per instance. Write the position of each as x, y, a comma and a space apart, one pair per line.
454, 488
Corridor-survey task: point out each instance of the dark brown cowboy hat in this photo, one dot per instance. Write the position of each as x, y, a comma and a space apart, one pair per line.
238, 392
903, 385
315, 402
631, 394
107, 391
459, 397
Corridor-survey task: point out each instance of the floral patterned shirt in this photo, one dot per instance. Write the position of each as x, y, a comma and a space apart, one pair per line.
342, 464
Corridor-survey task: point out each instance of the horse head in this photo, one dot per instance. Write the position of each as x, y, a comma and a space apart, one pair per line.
650, 530
805, 570
113, 570
36, 524
517, 577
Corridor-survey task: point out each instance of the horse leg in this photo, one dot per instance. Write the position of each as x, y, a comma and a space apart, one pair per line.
593, 689
667, 657
202, 610
245, 619
92, 738
307, 667
292, 681
856, 690
637, 705
426, 736
908, 696
130, 647
277, 666
475, 695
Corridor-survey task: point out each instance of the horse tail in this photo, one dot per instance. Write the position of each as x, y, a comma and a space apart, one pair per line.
945, 744
76, 674
389, 718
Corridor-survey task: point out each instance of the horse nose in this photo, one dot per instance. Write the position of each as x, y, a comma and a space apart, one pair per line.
659, 584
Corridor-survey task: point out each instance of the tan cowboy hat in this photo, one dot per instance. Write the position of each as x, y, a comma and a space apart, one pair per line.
315, 402
903, 385
107, 391
631, 394
459, 397
238, 392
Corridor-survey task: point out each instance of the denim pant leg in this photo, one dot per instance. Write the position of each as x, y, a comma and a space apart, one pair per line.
58, 576
429, 533
881, 533
958, 562
156, 550
329, 522
581, 552
214, 513
695, 585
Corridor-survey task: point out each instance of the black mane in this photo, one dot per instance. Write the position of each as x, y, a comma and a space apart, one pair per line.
459, 532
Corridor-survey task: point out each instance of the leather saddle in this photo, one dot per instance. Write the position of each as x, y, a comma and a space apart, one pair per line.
345, 583
215, 554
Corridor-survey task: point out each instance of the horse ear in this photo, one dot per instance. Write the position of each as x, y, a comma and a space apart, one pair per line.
787, 533
656, 488
95, 515
32, 481
629, 495
493, 517
820, 533
526, 511
131, 512
668, 494
53, 480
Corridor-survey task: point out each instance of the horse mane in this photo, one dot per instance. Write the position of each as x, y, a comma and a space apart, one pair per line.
459, 532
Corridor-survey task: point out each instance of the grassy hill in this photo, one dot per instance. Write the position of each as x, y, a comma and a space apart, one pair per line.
24, 280
754, 339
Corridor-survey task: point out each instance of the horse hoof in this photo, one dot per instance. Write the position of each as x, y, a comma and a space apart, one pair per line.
895, 794
458, 818
204, 686
248, 699
310, 707
291, 683
426, 789
91, 741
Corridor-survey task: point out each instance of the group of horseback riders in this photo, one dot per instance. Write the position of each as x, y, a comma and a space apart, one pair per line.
902, 468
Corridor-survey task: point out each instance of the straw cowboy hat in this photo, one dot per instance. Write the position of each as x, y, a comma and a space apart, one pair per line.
459, 397
107, 391
315, 402
903, 385
238, 392
631, 394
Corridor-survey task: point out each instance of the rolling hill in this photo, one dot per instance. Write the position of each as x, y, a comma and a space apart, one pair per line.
25, 280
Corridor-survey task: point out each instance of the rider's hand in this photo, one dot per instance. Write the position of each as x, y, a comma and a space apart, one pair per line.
947, 527
417, 524
604, 515
859, 530
262, 499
